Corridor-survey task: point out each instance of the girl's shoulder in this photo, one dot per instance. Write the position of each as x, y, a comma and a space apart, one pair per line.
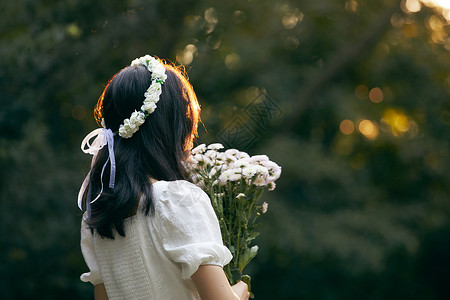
178, 192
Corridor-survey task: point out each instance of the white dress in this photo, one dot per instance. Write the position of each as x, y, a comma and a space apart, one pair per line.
159, 252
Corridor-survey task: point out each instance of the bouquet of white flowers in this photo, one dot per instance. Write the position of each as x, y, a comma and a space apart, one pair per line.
234, 182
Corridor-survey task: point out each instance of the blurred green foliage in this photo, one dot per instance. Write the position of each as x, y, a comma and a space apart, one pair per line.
362, 207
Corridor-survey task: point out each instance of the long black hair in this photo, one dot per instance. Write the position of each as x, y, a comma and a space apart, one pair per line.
156, 150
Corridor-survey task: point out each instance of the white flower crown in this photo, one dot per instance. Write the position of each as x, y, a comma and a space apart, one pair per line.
154, 66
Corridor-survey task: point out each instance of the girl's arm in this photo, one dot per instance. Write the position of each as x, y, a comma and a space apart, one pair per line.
212, 284
100, 292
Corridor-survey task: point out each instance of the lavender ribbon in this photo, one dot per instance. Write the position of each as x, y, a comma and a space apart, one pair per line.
103, 137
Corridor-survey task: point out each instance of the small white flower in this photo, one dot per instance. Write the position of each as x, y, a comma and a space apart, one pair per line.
229, 159
261, 170
240, 196
249, 172
273, 168
199, 149
235, 177
242, 155
215, 146
271, 186
148, 107
211, 154
202, 159
231, 152
228, 175
212, 172
155, 89
240, 163
259, 181
258, 159
123, 132
264, 207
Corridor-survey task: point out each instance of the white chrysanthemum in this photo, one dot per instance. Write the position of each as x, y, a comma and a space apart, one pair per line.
259, 181
273, 168
212, 172
253, 170
240, 163
215, 146
235, 177
199, 149
221, 159
241, 155
211, 154
262, 171
221, 156
258, 159
230, 175
224, 177
229, 159
231, 152
202, 159
249, 172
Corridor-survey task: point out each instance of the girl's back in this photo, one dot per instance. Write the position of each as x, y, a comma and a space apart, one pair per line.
168, 247
147, 233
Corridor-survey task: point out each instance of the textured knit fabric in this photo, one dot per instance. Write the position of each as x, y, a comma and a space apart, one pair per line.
159, 253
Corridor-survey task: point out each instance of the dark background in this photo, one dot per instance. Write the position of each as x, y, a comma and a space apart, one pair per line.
359, 212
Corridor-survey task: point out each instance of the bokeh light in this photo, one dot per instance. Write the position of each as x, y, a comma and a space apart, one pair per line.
187, 55
399, 123
376, 95
412, 5
347, 127
291, 19
232, 61
368, 128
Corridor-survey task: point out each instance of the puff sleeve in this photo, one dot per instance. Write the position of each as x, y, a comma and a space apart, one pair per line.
87, 248
189, 228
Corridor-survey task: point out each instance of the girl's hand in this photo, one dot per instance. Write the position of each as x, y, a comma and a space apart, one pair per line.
241, 290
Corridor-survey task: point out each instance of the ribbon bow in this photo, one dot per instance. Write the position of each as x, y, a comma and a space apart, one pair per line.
103, 137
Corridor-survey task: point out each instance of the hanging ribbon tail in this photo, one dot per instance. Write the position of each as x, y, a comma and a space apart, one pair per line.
112, 172
102, 136
82, 190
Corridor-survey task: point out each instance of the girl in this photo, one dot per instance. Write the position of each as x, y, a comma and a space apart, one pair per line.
147, 233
